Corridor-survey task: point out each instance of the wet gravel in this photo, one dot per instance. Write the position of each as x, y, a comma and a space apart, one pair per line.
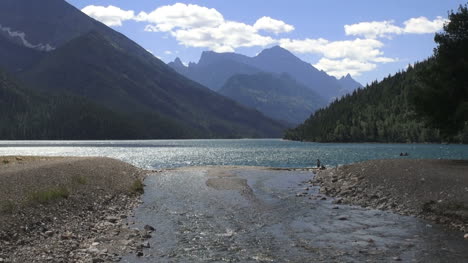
261, 215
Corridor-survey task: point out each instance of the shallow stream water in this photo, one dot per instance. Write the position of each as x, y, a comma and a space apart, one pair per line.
254, 215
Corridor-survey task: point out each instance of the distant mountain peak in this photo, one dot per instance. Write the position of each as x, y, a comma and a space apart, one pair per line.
347, 77
178, 62
275, 51
348, 83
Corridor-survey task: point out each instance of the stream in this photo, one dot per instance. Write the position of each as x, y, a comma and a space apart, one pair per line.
214, 214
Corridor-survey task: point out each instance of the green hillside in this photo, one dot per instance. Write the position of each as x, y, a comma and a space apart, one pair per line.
27, 114
426, 103
381, 112
93, 66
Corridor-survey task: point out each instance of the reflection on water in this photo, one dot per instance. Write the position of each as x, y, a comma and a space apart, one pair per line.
157, 154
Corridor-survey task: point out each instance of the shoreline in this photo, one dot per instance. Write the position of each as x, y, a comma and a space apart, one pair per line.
68, 209
435, 190
90, 220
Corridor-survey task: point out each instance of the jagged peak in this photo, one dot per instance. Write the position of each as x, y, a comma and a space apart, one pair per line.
275, 50
178, 62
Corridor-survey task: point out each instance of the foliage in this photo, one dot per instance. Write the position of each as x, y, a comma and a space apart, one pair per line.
443, 94
427, 103
164, 103
79, 180
27, 114
381, 112
46, 196
137, 187
7, 206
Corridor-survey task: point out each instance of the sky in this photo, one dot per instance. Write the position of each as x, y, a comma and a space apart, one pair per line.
369, 39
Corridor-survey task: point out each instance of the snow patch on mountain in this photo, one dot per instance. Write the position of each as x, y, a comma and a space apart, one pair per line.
20, 38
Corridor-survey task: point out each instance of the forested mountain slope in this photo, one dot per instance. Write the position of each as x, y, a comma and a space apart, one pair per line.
381, 112
27, 114
53, 47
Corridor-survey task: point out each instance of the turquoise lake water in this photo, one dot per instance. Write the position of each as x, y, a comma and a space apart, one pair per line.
159, 154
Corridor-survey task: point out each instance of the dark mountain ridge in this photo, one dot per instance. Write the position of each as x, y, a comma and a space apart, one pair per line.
91, 60
278, 96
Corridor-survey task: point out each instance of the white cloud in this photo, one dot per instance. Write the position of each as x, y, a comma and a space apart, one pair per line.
376, 29
166, 18
341, 57
422, 25
304, 46
267, 23
341, 67
168, 52
224, 38
198, 26
373, 29
110, 15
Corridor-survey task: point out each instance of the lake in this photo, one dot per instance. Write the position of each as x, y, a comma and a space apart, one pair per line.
159, 154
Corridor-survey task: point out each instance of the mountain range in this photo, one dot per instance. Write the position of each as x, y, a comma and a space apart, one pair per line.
278, 96
254, 82
214, 69
54, 50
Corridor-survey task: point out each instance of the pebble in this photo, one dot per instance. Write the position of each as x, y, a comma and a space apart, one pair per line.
149, 228
342, 218
397, 258
112, 219
466, 236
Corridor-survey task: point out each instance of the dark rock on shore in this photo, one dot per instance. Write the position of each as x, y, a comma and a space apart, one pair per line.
436, 190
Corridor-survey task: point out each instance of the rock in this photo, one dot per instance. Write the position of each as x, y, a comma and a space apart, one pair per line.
49, 233
396, 258
338, 201
66, 235
112, 219
145, 244
98, 260
335, 207
323, 198
93, 250
342, 218
466, 236
19, 158
139, 254
149, 228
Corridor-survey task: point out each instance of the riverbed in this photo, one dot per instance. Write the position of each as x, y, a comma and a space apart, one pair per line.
229, 214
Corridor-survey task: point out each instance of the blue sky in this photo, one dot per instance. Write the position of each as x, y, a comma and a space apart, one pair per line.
368, 38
